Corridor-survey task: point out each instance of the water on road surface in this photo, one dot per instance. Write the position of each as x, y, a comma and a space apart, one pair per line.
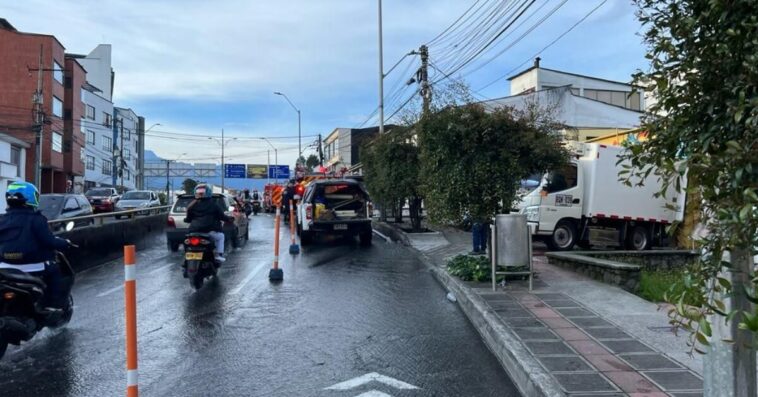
342, 312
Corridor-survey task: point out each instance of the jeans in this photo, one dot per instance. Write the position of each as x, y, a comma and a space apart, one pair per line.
480, 235
218, 241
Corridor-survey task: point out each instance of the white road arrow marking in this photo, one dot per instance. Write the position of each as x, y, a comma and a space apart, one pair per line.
371, 377
373, 393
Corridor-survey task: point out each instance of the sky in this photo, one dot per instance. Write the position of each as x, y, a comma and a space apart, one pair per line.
197, 66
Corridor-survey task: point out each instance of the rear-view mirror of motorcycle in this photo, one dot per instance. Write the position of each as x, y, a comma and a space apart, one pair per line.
69, 226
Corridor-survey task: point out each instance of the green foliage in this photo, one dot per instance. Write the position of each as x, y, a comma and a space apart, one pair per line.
301, 160
311, 161
656, 286
704, 73
473, 159
470, 268
391, 167
188, 185
162, 198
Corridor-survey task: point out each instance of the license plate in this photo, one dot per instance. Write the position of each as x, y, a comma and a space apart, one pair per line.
340, 226
193, 256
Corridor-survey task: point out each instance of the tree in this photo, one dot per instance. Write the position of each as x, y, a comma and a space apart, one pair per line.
300, 160
391, 168
473, 159
704, 74
188, 185
312, 161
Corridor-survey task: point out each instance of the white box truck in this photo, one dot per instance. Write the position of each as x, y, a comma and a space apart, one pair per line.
585, 204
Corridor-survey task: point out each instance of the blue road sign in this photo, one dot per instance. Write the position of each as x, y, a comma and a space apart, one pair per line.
235, 170
279, 171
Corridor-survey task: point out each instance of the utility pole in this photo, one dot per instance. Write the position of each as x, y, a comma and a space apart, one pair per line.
426, 91
223, 169
381, 74
38, 125
268, 167
168, 191
320, 152
121, 157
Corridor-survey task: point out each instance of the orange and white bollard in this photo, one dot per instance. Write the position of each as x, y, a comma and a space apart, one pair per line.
130, 300
294, 248
276, 274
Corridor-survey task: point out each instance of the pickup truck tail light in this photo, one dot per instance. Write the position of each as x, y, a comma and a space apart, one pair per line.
170, 222
308, 211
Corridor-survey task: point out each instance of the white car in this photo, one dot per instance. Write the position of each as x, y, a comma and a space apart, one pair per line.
136, 199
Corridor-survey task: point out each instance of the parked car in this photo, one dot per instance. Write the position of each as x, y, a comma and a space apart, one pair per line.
102, 199
236, 232
136, 199
339, 207
64, 206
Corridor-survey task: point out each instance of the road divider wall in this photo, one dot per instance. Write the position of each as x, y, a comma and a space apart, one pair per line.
102, 243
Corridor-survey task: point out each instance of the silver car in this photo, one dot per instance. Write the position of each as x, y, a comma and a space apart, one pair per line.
136, 199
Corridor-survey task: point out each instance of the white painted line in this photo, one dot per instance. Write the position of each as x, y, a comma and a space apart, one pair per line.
387, 239
156, 270
374, 393
247, 279
110, 291
371, 377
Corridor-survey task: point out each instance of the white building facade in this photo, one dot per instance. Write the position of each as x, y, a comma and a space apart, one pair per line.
12, 164
97, 125
126, 135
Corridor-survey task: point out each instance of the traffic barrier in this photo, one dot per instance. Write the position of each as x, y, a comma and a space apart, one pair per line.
130, 301
276, 196
276, 274
294, 247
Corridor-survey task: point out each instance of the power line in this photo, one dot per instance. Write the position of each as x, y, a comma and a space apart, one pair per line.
438, 36
547, 46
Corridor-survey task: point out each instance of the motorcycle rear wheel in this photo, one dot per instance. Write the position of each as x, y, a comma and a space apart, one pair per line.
196, 281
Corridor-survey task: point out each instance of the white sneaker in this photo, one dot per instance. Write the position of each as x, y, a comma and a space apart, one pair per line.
220, 259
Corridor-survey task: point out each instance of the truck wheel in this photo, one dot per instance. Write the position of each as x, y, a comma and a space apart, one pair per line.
305, 238
365, 238
564, 236
640, 239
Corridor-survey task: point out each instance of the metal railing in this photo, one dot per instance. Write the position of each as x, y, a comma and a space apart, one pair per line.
99, 219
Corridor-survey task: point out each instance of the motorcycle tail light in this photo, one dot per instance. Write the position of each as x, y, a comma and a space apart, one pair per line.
194, 241
9, 295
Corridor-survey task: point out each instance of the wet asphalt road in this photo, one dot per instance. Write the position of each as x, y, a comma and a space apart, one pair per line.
341, 312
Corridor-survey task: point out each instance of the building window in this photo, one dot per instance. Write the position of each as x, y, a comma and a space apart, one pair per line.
91, 162
57, 107
107, 167
16, 159
127, 175
57, 142
90, 112
127, 154
58, 72
107, 143
106, 119
127, 134
634, 101
90, 137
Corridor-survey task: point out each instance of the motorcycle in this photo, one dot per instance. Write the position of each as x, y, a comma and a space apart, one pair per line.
256, 207
248, 208
22, 310
199, 262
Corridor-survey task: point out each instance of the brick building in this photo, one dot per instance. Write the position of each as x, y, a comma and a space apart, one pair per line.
62, 110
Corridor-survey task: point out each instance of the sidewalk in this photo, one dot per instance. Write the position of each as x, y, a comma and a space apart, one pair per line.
587, 338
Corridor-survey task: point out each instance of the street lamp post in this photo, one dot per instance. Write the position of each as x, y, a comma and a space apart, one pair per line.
223, 143
299, 136
168, 175
276, 161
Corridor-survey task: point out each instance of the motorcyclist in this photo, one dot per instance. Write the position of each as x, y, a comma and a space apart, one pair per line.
256, 195
27, 244
246, 195
205, 216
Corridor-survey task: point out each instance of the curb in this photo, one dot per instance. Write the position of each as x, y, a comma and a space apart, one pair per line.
391, 232
522, 367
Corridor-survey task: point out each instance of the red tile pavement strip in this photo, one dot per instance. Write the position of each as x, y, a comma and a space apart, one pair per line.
621, 374
631, 382
569, 334
588, 347
608, 362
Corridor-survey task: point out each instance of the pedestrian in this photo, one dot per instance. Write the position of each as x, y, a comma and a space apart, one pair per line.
480, 235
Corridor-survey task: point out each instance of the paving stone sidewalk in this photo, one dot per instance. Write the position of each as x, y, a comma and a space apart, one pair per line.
594, 339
